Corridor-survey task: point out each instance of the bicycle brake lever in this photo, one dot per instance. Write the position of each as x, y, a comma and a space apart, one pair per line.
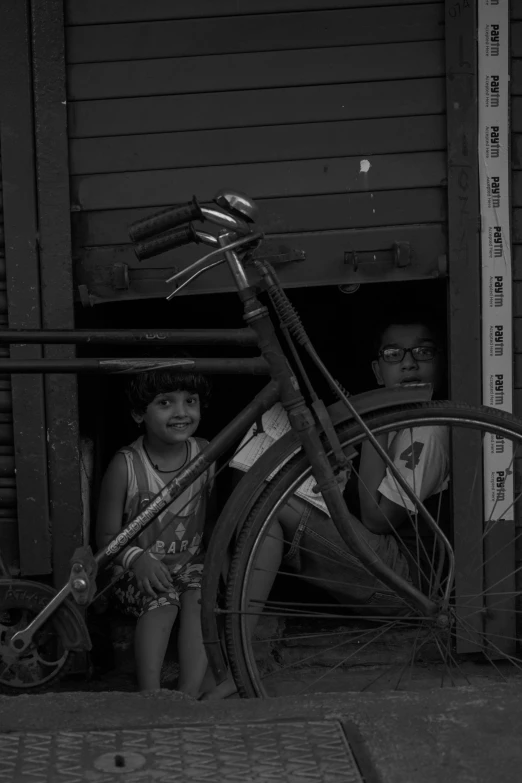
200, 263
191, 278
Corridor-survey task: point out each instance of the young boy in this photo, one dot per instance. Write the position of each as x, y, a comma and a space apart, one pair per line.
407, 353
164, 566
305, 540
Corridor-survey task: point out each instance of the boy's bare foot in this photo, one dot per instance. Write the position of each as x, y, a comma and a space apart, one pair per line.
221, 691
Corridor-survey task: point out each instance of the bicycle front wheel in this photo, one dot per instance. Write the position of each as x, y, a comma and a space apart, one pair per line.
328, 624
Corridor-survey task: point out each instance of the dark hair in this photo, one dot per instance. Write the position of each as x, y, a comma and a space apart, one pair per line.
143, 388
409, 320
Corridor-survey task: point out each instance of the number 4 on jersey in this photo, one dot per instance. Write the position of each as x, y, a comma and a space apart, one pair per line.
412, 454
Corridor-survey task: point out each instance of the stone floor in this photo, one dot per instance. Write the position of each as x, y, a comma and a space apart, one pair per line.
302, 659
459, 735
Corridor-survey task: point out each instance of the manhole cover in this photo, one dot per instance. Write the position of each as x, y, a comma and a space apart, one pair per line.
293, 751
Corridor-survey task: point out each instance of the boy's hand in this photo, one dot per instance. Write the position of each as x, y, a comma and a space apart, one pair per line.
151, 574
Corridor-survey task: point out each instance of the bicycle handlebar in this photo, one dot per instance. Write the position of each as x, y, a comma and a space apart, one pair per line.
165, 220
199, 265
177, 237
161, 232
173, 217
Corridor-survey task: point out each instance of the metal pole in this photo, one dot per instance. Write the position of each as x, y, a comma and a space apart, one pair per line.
125, 336
254, 366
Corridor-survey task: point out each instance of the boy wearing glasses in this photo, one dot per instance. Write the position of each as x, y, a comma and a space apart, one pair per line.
306, 541
407, 353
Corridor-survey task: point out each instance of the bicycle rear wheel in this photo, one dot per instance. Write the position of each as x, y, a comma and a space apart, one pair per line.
318, 631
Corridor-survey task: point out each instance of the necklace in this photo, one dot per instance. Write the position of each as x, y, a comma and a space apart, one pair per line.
166, 471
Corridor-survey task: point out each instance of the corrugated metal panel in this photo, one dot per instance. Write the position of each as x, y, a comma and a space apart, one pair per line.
8, 520
283, 102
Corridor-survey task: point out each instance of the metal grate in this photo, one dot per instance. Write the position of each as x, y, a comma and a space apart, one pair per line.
291, 751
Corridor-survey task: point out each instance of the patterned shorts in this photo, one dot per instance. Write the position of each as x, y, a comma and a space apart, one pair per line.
134, 602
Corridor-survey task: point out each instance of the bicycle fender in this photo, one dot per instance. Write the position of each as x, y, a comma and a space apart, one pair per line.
69, 621
381, 399
288, 444
251, 486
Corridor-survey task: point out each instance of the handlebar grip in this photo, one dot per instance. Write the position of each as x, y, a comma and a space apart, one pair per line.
171, 239
165, 220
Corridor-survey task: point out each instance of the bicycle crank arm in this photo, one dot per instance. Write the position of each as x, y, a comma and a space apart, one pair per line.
21, 640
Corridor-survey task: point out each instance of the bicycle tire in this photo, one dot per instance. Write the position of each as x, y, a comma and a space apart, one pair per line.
245, 670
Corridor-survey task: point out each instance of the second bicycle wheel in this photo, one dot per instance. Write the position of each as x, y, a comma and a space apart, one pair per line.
326, 624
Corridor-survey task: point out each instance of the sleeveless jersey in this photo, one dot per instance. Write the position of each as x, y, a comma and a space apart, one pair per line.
175, 535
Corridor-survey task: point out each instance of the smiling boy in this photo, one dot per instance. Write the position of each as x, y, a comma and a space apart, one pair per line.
164, 569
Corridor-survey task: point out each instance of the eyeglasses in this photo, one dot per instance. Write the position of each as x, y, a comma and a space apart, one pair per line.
421, 353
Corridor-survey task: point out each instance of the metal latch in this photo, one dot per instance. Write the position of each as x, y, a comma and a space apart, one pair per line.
351, 257
402, 254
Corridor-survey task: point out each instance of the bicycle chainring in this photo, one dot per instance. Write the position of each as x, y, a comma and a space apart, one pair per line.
47, 657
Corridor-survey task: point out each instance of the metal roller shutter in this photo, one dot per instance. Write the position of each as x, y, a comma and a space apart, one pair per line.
333, 119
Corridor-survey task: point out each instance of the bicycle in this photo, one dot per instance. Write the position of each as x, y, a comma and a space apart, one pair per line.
40, 628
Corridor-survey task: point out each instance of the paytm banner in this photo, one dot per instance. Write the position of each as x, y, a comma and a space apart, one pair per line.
497, 351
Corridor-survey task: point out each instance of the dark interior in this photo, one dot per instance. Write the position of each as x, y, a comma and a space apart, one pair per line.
341, 326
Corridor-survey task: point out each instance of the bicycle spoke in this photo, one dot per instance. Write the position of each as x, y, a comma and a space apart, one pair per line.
495, 554
455, 662
490, 660
348, 657
516, 661
487, 532
321, 579
324, 580
487, 590
414, 519
335, 647
490, 524
447, 654
300, 637
464, 622
304, 614
497, 607
410, 662
397, 534
415, 641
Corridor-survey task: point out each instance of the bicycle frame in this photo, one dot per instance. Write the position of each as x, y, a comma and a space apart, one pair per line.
284, 387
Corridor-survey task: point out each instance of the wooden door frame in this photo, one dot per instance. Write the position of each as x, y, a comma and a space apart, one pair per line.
56, 274
464, 313
39, 279
23, 284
